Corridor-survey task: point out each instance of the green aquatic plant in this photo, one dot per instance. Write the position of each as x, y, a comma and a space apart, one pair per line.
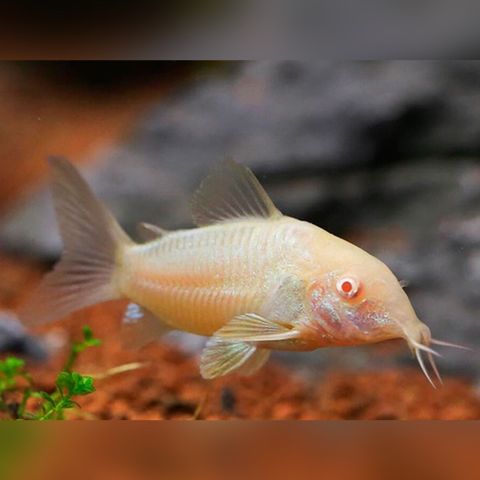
50, 406
68, 386
12, 369
78, 347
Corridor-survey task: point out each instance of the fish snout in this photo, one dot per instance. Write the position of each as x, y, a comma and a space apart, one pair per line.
417, 334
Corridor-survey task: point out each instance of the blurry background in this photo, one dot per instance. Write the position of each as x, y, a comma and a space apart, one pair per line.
255, 29
384, 154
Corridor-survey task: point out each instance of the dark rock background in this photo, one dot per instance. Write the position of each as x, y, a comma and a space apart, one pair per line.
384, 154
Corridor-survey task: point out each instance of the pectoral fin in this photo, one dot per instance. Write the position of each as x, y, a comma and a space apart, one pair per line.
254, 328
285, 301
255, 362
221, 357
140, 327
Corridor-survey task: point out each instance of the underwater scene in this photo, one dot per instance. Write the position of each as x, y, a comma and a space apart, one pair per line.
253, 240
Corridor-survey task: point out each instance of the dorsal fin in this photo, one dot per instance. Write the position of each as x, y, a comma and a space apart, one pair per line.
148, 232
231, 192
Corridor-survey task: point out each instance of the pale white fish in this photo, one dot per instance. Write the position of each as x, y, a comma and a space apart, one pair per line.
250, 278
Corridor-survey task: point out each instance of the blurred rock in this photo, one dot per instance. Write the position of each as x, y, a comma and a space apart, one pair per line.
383, 153
287, 120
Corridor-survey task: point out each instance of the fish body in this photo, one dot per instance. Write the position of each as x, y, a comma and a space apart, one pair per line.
250, 278
214, 273
218, 272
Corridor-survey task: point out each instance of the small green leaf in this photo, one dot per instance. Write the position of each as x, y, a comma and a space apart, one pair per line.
65, 380
47, 397
75, 384
90, 340
87, 333
14, 363
68, 404
78, 347
38, 394
12, 366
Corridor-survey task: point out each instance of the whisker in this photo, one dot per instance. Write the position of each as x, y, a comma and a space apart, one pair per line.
420, 346
448, 344
434, 367
422, 366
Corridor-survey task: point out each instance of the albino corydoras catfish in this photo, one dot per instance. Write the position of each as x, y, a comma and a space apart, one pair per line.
249, 277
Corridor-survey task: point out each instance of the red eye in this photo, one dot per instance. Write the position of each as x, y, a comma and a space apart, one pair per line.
348, 287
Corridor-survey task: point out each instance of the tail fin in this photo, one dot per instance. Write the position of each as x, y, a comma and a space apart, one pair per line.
93, 241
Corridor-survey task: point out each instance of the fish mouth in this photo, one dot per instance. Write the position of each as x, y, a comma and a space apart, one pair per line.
421, 344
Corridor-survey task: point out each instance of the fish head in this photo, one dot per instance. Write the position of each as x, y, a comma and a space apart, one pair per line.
362, 303
357, 300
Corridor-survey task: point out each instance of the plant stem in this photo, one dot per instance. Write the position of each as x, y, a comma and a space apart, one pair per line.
21, 409
72, 358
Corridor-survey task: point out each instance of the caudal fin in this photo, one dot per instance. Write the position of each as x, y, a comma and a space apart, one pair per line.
93, 243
